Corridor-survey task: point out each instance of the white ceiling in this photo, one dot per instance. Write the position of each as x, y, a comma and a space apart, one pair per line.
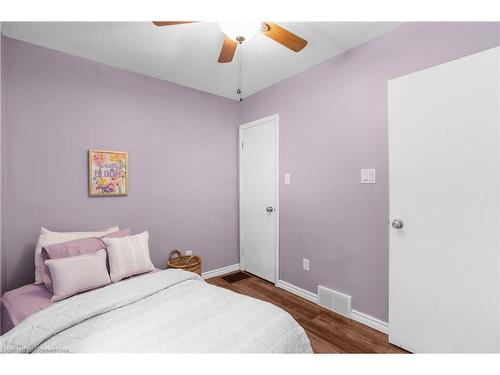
187, 54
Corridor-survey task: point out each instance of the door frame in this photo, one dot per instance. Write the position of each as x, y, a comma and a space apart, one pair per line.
275, 118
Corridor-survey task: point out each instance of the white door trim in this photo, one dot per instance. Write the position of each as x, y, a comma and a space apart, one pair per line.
274, 118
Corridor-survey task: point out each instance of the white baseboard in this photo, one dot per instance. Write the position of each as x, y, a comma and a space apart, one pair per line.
358, 316
221, 271
370, 321
310, 296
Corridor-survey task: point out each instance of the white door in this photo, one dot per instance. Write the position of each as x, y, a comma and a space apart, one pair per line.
444, 149
259, 198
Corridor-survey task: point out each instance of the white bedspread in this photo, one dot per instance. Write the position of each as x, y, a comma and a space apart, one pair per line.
168, 311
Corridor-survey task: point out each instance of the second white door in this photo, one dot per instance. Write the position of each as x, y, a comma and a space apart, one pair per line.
259, 198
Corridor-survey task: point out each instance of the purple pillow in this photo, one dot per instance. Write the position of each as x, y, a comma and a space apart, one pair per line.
73, 248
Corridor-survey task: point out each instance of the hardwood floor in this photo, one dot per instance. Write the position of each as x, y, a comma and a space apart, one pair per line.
327, 331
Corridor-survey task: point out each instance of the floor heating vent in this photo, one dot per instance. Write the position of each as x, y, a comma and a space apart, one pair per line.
335, 301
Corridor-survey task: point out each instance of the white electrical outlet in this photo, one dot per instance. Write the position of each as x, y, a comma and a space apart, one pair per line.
305, 264
189, 252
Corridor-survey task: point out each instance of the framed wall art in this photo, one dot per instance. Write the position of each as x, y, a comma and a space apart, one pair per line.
108, 173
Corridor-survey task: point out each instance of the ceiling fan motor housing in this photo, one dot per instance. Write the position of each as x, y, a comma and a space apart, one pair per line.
263, 27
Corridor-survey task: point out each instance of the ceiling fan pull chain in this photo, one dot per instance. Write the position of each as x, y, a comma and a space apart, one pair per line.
240, 48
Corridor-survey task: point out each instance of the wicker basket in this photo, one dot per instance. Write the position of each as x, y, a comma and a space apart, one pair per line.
191, 263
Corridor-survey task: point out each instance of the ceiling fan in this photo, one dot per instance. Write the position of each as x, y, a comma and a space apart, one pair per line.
237, 33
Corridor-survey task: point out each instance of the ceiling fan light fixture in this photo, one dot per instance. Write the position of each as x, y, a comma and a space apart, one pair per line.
240, 31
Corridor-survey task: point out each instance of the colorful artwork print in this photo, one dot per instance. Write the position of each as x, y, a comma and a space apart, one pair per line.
108, 173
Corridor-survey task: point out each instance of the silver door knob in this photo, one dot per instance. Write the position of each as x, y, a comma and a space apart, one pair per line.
397, 224
269, 209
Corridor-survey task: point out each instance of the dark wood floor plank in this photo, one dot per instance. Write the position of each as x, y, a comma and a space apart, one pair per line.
328, 332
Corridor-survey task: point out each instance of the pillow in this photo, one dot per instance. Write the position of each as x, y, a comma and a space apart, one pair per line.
48, 237
128, 256
78, 274
71, 249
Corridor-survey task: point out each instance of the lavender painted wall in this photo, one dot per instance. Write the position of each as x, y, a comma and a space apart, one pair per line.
333, 121
182, 147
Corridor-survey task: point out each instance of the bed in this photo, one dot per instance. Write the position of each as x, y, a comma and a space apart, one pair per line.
20, 303
167, 311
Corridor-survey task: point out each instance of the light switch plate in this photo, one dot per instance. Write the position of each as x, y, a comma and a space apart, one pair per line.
287, 179
368, 176
305, 264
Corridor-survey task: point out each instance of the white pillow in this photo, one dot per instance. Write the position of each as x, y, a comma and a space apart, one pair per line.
128, 256
78, 274
50, 238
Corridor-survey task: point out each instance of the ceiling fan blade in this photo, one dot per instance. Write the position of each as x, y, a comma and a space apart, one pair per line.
284, 37
227, 50
172, 23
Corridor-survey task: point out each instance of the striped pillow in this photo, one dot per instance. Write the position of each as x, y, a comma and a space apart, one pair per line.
128, 256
